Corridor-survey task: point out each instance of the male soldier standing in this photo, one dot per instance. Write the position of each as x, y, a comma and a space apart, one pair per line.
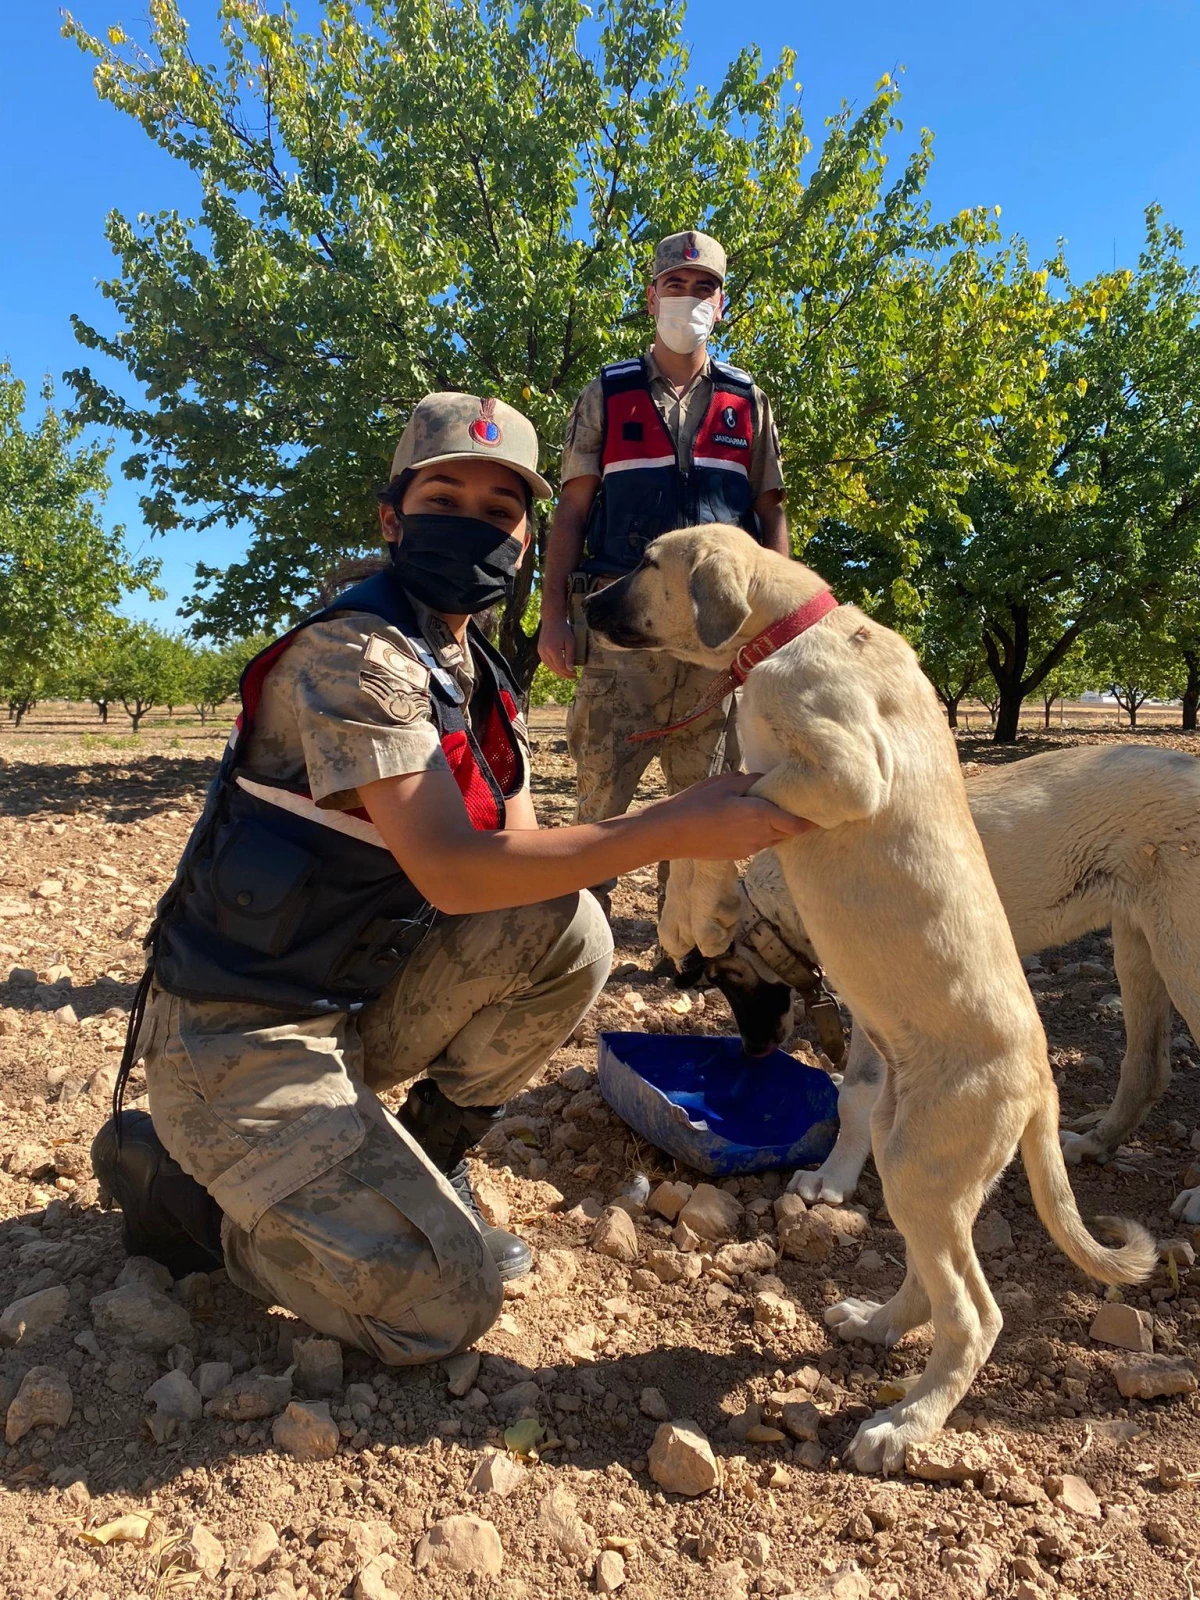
670, 439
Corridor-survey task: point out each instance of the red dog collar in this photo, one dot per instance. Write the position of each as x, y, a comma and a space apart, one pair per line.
750, 655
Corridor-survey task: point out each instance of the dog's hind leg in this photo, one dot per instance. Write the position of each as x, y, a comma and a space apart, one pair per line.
936, 1220
1146, 1067
837, 1179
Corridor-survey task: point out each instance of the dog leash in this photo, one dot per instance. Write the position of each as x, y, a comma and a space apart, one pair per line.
751, 654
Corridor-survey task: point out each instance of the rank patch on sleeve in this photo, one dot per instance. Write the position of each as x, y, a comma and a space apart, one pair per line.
393, 678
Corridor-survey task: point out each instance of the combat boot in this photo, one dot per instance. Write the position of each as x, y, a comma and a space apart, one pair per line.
167, 1215
446, 1132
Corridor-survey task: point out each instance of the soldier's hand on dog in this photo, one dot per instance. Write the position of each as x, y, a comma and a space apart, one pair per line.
720, 820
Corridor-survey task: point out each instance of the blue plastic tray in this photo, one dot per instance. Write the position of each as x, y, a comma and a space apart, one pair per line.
705, 1103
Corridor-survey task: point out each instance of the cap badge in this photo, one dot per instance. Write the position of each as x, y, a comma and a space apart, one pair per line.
691, 249
485, 429
729, 417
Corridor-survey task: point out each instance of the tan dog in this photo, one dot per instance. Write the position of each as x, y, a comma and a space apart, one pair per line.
1077, 840
894, 890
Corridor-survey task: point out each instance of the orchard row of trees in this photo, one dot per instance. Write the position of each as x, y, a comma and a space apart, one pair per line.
139, 667
998, 459
62, 575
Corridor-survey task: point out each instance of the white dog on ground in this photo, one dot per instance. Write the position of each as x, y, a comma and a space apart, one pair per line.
894, 889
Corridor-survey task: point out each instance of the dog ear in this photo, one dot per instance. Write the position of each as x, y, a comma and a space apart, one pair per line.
719, 601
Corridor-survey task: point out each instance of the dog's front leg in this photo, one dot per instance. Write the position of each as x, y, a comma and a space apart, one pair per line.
715, 905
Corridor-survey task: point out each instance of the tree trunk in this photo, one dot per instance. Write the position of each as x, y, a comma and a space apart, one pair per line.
1008, 712
1047, 706
951, 704
137, 720
1191, 693
103, 704
1133, 711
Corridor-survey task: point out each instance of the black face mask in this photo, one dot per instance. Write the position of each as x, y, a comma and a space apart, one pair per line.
458, 565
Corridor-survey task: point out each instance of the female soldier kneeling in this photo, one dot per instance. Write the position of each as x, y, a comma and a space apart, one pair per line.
367, 898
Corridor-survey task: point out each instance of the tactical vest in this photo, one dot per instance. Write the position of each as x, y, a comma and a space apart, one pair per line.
645, 489
277, 901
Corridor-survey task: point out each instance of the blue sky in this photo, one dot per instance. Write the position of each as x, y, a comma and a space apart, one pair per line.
1072, 117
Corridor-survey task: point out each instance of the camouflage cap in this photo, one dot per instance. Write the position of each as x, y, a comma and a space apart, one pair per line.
463, 427
689, 250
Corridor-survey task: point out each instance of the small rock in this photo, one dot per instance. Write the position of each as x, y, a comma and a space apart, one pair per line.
1151, 1377
711, 1212
144, 1269
372, 1582
774, 1311
210, 1377
318, 1366
610, 1571
1163, 1531
44, 1400
615, 1235
870, 1261
48, 889
497, 1474
86, 1340
31, 1161
515, 1398
26, 1320
1171, 1475
558, 1518
249, 1397
1179, 1251
361, 1394
1073, 1494
463, 1544
205, 1550
492, 1203
1124, 1326
802, 1420
757, 1255
142, 1318
176, 1396
845, 1584
680, 1458
307, 1431
756, 1550
264, 1542
992, 1234
950, 1458
685, 1238
461, 1372
366, 1540
669, 1199
806, 1236
653, 1404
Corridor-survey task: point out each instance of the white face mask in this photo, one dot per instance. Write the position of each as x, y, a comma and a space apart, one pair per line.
684, 323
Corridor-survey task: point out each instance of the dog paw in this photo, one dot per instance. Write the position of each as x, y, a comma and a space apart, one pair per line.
713, 938
826, 1184
855, 1319
881, 1441
1186, 1206
1080, 1147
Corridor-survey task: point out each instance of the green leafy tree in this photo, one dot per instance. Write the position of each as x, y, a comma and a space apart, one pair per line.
1090, 501
1138, 659
215, 673
146, 668
61, 570
465, 195
1073, 674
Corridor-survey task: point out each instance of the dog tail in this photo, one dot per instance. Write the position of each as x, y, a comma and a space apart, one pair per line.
1131, 1262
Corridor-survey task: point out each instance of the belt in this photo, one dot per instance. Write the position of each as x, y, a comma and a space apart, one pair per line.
793, 967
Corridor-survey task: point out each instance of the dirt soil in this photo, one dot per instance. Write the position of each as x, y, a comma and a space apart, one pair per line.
91, 825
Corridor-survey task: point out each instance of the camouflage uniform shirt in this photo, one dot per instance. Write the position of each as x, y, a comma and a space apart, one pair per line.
682, 414
348, 703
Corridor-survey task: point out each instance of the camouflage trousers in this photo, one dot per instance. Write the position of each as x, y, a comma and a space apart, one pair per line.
330, 1208
620, 692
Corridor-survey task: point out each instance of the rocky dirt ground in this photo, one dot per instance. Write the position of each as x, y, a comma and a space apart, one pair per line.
1050, 1481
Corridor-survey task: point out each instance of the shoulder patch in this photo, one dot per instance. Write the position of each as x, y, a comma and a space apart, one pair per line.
395, 658
395, 679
